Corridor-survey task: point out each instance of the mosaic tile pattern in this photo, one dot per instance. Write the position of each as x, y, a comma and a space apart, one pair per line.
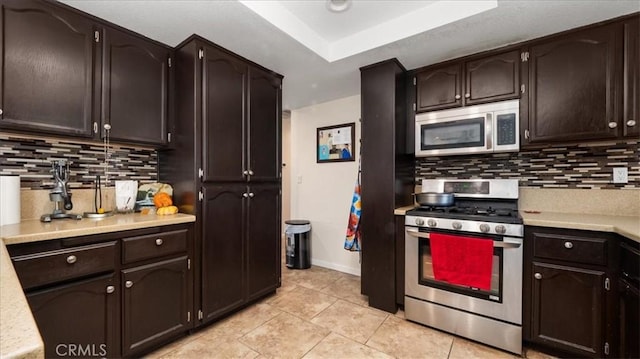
574, 166
31, 157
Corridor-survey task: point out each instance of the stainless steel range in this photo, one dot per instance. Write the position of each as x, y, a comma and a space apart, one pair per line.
484, 210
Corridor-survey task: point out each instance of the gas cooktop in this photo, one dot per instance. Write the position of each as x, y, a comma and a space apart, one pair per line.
486, 214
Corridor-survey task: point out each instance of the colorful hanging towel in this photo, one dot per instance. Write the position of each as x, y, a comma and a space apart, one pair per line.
352, 241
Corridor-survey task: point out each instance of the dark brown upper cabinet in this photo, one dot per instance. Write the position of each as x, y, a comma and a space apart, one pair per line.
263, 141
224, 95
135, 88
574, 87
485, 79
47, 77
241, 127
492, 78
439, 88
631, 105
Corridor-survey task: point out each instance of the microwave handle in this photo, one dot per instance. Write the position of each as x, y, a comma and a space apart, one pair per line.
488, 131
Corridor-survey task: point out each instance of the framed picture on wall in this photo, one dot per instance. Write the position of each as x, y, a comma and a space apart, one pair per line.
336, 143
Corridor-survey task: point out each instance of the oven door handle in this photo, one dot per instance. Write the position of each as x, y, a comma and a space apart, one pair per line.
499, 244
417, 233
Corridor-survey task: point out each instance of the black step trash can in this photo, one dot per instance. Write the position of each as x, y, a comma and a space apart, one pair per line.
298, 243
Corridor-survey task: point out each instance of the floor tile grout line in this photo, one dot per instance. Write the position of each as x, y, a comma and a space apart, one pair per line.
453, 340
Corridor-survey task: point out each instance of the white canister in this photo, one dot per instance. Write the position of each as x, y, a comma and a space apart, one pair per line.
126, 193
9, 199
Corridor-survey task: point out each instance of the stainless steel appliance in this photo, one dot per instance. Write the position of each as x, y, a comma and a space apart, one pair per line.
60, 193
492, 127
483, 209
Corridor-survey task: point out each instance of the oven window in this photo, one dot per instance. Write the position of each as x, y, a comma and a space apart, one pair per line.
454, 134
426, 277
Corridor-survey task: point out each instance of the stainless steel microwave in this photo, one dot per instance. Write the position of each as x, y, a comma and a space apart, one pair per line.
494, 127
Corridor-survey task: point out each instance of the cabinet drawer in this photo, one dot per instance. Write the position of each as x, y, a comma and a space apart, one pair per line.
586, 250
153, 245
59, 265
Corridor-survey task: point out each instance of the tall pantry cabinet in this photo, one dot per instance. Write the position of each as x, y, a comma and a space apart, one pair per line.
226, 169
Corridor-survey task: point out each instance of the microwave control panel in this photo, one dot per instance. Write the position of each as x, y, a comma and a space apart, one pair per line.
506, 129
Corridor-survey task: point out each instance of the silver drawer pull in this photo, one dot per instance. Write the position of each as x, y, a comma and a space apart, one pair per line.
111, 289
71, 259
631, 123
613, 124
128, 284
568, 245
457, 97
159, 242
537, 276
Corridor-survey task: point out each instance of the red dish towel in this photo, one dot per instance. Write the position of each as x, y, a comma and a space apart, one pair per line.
462, 260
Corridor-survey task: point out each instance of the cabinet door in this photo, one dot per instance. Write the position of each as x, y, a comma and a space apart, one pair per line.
155, 304
222, 259
573, 86
263, 240
47, 66
631, 116
78, 316
223, 91
568, 308
629, 314
492, 78
439, 88
263, 145
135, 88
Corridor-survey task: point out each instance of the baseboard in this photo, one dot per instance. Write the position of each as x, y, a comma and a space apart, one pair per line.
338, 267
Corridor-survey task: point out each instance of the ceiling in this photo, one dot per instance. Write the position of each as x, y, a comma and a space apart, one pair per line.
320, 52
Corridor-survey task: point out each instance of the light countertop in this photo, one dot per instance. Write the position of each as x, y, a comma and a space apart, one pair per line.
627, 226
401, 211
19, 335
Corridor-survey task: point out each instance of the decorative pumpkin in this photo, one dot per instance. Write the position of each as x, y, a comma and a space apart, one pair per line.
167, 210
162, 199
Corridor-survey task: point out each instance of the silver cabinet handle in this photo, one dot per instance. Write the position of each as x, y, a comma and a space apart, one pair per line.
128, 284
245, 172
1, 111
250, 173
110, 289
568, 245
467, 95
251, 194
537, 276
245, 195
107, 126
159, 242
71, 259
95, 127
630, 123
458, 97
613, 124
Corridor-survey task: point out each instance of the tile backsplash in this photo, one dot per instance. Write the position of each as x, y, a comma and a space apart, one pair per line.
570, 166
31, 157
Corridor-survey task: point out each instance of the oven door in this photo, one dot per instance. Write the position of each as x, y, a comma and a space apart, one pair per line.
502, 301
453, 135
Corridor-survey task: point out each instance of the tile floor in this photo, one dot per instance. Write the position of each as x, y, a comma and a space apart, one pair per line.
319, 313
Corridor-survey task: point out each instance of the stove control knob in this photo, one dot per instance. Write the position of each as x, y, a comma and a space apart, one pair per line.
501, 229
432, 223
484, 228
456, 225
420, 221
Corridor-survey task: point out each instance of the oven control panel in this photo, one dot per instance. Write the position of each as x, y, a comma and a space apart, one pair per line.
460, 225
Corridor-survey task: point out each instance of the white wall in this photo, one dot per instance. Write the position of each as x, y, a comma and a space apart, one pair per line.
322, 193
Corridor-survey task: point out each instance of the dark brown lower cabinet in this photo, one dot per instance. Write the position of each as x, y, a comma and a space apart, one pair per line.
240, 245
568, 308
629, 317
79, 319
155, 304
569, 294
222, 249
